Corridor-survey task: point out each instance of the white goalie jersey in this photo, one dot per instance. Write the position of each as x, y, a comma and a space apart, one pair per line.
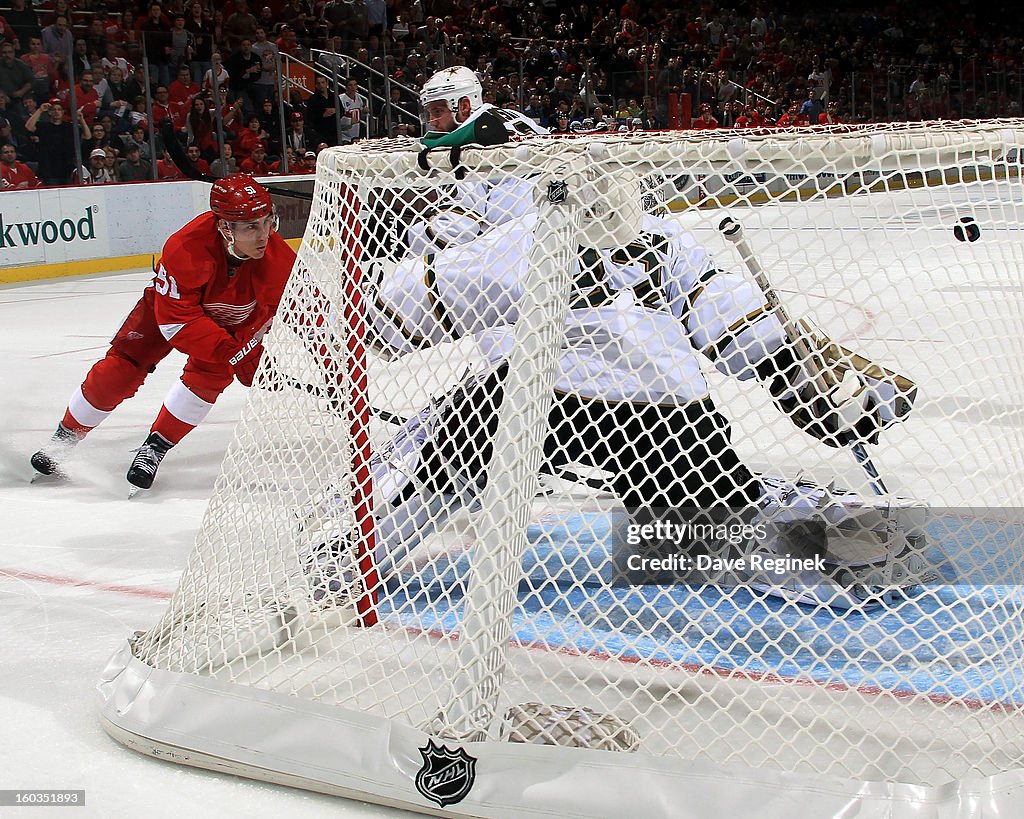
638, 315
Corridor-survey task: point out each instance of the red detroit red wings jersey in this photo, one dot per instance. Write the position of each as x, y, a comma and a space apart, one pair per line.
200, 309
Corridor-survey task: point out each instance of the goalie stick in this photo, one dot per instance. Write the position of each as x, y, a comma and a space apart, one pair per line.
733, 231
184, 164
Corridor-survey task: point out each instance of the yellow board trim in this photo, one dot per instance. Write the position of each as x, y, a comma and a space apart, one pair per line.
60, 270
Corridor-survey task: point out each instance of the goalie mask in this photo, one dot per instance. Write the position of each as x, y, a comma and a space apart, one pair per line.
239, 200
612, 209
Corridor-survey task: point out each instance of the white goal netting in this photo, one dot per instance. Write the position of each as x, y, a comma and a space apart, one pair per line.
600, 475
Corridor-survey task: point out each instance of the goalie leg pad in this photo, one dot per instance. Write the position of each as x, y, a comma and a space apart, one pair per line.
862, 553
419, 483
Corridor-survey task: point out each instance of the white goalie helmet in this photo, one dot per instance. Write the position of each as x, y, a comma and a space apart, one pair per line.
615, 204
450, 85
613, 214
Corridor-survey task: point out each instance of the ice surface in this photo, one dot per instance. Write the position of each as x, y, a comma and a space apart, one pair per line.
82, 567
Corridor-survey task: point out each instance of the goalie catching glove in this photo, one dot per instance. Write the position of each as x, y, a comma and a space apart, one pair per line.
839, 397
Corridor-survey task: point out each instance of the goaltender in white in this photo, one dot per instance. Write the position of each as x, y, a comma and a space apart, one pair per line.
631, 400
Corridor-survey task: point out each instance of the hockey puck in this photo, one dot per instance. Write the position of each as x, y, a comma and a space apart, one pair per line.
967, 230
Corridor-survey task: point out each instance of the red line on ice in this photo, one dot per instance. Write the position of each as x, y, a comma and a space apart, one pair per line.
58, 580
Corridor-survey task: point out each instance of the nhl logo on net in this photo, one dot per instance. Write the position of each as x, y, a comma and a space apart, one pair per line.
447, 775
558, 192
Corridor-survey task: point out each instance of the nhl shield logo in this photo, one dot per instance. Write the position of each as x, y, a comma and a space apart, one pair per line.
558, 192
446, 775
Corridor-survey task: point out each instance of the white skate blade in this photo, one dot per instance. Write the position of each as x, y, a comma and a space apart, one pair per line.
54, 477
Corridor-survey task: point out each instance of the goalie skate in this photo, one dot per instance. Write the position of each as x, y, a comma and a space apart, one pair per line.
328, 576
864, 553
323, 592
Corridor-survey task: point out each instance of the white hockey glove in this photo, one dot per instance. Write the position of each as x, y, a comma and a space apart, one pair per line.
839, 397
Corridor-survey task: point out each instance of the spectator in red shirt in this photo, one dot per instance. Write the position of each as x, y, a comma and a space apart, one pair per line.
199, 128
230, 112
256, 165
114, 31
294, 166
196, 158
87, 97
750, 118
706, 121
183, 90
166, 169
15, 175
6, 32
308, 163
163, 109
792, 118
42, 67
830, 116
247, 140
287, 43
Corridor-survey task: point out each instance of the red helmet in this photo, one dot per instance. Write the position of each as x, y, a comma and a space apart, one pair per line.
240, 198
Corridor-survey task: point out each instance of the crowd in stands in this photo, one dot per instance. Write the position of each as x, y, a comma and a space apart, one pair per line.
120, 70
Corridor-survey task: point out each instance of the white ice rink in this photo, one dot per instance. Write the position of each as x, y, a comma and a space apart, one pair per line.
82, 567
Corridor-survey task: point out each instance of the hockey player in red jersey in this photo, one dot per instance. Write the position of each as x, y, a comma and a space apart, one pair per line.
213, 294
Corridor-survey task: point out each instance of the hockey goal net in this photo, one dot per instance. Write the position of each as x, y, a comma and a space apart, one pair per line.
419, 580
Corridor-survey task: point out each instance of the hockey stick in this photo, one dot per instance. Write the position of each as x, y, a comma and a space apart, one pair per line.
324, 393
184, 164
733, 231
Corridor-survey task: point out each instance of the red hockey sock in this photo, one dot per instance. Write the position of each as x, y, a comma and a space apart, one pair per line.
171, 428
69, 422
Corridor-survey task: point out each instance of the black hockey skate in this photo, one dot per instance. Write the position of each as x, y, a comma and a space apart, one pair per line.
47, 460
147, 460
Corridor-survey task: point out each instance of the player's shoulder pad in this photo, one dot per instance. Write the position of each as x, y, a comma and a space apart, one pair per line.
191, 253
487, 128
